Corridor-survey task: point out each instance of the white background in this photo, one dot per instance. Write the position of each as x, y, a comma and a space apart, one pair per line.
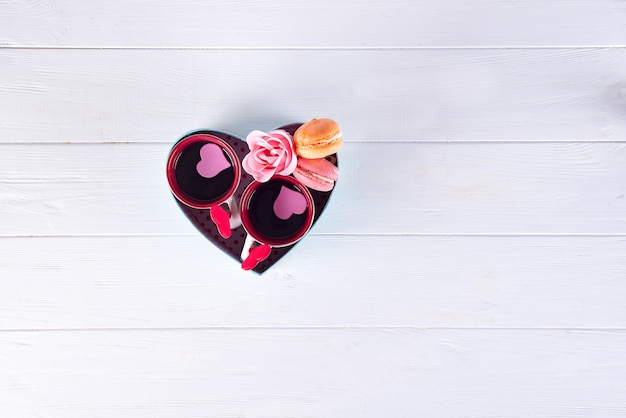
472, 262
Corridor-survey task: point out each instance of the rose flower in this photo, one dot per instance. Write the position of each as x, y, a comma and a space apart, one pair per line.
270, 153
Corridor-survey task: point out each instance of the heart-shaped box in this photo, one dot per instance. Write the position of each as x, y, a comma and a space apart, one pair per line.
234, 245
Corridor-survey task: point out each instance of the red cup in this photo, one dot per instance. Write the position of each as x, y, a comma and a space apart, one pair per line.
276, 213
203, 172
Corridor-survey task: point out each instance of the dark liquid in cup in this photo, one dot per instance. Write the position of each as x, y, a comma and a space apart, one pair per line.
194, 185
263, 218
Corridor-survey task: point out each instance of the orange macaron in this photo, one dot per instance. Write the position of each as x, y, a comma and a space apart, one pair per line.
318, 138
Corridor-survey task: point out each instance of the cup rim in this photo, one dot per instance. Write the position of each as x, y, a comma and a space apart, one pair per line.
172, 159
282, 242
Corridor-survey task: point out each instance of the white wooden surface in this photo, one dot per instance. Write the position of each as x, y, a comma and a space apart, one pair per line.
487, 136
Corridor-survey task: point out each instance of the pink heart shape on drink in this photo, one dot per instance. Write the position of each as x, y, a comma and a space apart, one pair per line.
289, 202
212, 161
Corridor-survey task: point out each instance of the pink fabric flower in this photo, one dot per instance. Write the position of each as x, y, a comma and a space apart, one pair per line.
270, 153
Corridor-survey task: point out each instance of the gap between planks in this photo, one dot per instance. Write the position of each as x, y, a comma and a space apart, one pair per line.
358, 234
350, 141
309, 328
312, 48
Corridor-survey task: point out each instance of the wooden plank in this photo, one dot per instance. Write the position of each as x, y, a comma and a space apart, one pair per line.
547, 188
325, 23
376, 95
363, 281
286, 373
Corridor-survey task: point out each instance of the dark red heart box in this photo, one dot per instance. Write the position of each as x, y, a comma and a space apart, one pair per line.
233, 246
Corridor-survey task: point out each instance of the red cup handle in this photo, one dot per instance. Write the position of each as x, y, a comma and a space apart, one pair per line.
257, 254
221, 218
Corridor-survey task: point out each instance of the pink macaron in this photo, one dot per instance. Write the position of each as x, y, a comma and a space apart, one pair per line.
317, 174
